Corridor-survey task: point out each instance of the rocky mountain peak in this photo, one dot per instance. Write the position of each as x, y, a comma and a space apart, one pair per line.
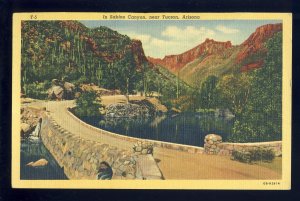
176, 62
262, 33
256, 40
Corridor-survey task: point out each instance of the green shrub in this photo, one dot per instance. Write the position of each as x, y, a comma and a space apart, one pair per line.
265, 155
81, 80
87, 104
242, 156
168, 103
37, 90
259, 154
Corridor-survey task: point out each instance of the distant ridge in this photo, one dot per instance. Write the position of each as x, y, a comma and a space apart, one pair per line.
214, 57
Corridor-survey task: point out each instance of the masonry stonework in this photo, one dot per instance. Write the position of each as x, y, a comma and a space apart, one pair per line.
81, 158
213, 145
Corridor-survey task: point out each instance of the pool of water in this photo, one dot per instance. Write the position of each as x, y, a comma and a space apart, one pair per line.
33, 150
184, 128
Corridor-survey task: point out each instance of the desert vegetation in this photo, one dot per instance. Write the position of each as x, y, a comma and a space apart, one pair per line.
59, 49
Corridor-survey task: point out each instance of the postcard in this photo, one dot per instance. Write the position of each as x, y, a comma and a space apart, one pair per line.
152, 100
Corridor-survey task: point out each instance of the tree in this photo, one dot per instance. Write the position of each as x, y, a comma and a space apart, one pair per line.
127, 74
177, 85
234, 92
208, 96
262, 117
87, 104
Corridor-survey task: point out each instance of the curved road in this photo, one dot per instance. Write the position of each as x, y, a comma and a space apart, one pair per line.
58, 111
173, 164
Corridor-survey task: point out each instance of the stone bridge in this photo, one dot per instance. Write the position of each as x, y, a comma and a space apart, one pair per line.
79, 148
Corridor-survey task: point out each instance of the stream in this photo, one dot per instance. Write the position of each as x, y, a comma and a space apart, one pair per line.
33, 149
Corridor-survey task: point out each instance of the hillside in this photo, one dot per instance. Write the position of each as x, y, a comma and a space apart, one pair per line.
218, 58
176, 62
70, 51
53, 49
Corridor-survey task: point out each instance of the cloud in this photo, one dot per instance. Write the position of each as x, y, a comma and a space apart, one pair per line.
226, 30
189, 32
143, 37
172, 40
147, 40
152, 46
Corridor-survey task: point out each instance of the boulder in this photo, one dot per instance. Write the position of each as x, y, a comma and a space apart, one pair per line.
69, 90
157, 105
56, 92
39, 163
30, 118
55, 82
225, 113
174, 110
61, 90
25, 128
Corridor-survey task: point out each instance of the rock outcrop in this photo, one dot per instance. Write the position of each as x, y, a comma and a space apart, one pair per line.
218, 58
69, 90
138, 51
156, 104
256, 40
29, 119
61, 90
176, 62
134, 46
105, 43
127, 110
225, 113
25, 129
56, 92
136, 108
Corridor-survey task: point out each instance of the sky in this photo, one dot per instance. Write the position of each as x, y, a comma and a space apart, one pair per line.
169, 37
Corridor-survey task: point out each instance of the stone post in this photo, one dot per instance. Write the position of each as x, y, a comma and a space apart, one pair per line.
211, 143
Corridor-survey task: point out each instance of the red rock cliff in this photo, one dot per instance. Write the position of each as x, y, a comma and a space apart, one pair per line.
176, 62
138, 52
256, 40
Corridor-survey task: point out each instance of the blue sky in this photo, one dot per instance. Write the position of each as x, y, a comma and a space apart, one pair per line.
167, 37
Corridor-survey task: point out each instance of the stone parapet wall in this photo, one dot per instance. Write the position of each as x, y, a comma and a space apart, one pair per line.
227, 148
81, 158
213, 145
160, 144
